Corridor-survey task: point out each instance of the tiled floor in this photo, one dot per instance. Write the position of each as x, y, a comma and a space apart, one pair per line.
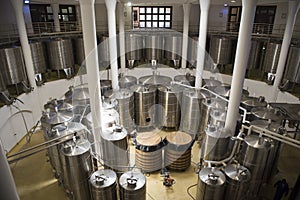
34, 177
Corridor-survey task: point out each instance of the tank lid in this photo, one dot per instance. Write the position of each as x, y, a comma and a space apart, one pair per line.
179, 138
256, 141
114, 133
148, 139
109, 103
254, 101
132, 180
76, 148
237, 172
193, 93
217, 132
211, 82
215, 103
122, 94
224, 90
219, 115
155, 80
212, 176
127, 79
80, 92
71, 127
170, 89
269, 125
267, 113
143, 88
57, 117
103, 178
187, 78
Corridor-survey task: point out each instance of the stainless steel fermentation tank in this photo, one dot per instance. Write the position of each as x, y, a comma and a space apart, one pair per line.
254, 155
237, 181
256, 54
13, 68
77, 163
4, 94
153, 46
217, 144
211, 184
221, 49
79, 50
132, 186
115, 148
103, 185
169, 110
292, 70
60, 56
173, 48
144, 106
192, 51
191, 111
127, 81
271, 60
103, 53
187, 79
134, 47
39, 61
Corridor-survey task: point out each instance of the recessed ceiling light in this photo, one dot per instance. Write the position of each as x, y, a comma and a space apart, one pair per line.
129, 4
26, 1
225, 4
233, 1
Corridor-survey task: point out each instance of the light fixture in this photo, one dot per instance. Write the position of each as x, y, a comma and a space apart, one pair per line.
27, 1
233, 1
129, 4
225, 4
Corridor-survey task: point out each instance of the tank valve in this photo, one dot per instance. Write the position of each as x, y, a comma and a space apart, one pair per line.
168, 181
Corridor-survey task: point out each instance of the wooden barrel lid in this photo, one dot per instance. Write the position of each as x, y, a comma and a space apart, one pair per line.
179, 138
148, 139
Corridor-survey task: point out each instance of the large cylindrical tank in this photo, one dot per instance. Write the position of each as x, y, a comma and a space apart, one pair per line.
127, 81
173, 46
187, 79
292, 71
132, 186
249, 102
237, 180
271, 57
177, 152
103, 49
12, 65
2, 84
144, 102
79, 50
77, 163
255, 54
78, 130
60, 54
211, 184
169, 101
134, 46
217, 143
148, 151
125, 100
155, 80
115, 148
221, 49
38, 57
103, 185
254, 156
191, 111
153, 46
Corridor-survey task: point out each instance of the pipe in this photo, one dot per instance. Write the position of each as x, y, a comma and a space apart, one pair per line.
204, 7
111, 15
8, 188
288, 33
55, 9
91, 55
240, 64
185, 34
122, 35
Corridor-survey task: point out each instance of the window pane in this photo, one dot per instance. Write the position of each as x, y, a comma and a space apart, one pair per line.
49, 9
167, 24
154, 25
70, 10
142, 17
64, 10
142, 10
148, 25
168, 10
161, 10
65, 18
161, 24
168, 17
155, 10
50, 17
154, 17
161, 17
142, 24
148, 17
149, 10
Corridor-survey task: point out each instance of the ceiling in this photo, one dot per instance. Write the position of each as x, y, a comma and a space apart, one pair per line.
157, 2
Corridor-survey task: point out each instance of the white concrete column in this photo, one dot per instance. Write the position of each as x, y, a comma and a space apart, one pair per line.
8, 188
113, 50
288, 33
91, 55
185, 39
122, 35
240, 64
55, 10
204, 7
